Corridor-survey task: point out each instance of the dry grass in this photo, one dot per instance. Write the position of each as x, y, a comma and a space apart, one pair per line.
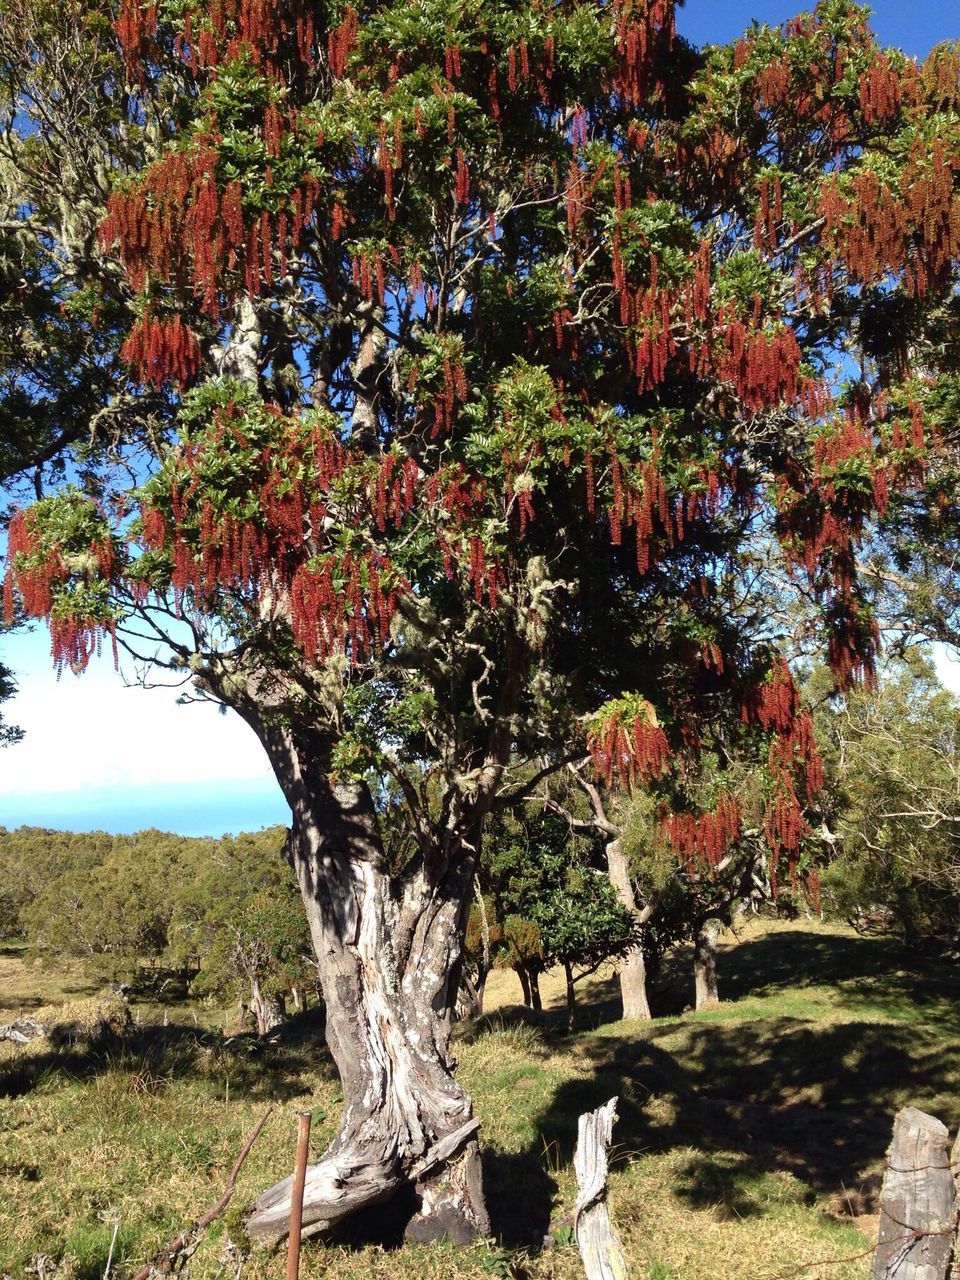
748, 1136
26, 984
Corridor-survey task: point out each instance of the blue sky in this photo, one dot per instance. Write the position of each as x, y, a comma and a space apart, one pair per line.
911, 25
99, 754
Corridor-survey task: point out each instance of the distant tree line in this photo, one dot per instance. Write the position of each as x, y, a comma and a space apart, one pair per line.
224, 914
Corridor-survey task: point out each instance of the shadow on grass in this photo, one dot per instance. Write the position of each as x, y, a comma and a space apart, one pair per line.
154, 1056
879, 974
747, 1097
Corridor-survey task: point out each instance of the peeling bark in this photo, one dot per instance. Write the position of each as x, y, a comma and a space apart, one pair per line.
389, 963
596, 1238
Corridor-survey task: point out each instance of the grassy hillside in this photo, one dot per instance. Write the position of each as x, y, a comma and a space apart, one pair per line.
749, 1139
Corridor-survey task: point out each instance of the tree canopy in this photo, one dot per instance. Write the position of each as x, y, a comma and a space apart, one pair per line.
478, 377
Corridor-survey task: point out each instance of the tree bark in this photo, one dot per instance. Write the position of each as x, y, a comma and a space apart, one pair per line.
705, 964
596, 1238
268, 1010
483, 969
571, 997
632, 968
389, 955
521, 972
533, 977
918, 1208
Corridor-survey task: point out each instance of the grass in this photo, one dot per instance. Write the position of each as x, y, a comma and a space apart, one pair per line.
27, 984
749, 1143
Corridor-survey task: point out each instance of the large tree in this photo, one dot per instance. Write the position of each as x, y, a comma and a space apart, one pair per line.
473, 344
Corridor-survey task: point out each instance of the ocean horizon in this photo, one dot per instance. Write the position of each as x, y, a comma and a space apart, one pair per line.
187, 809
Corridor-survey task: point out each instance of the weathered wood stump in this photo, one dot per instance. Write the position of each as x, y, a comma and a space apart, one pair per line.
955, 1168
596, 1239
918, 1208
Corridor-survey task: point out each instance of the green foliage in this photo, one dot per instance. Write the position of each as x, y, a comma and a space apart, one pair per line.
547, 904
107, 899
897, 777
8, 687
241, 920
226, 911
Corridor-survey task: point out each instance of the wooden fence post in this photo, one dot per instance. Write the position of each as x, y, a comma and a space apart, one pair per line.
596, 1239
955, 1168
918, 1203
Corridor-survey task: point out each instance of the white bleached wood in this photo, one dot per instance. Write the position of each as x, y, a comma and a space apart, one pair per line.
596, 1239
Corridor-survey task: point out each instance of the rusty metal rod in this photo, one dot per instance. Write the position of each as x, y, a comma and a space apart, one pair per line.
296, 1196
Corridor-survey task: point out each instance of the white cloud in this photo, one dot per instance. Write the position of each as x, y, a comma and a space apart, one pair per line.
92, 731
947, 664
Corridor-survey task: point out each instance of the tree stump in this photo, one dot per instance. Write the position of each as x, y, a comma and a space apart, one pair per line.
955, 1169
918, 1212
596, 1239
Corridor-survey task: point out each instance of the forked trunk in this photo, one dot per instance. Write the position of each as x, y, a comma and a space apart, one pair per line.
268, 1010
521, 973
632, 968
705, 964
389, 956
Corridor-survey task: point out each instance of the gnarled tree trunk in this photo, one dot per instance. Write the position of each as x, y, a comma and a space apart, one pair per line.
632, 968
705, 964
268, 1010
388, 951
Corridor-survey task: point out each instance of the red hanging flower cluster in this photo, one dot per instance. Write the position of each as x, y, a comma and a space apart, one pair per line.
342, 41
793, 758
769, 213
339, 605
162, 350
40, 574
640, 24
704, 838
395, 489
220, 30
175, 225
439, 403
335, 600
773, 81
629, 749
762, 364
915, 231
880, 90
774, 703
784, 825
136, 27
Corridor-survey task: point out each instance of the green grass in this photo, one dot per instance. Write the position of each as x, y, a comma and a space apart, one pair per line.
748, 1135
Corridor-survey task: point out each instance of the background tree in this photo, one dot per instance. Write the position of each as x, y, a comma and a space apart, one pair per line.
241, 920
546, 903
898, 821
30, 859
109, 899
8, 732
490, 338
